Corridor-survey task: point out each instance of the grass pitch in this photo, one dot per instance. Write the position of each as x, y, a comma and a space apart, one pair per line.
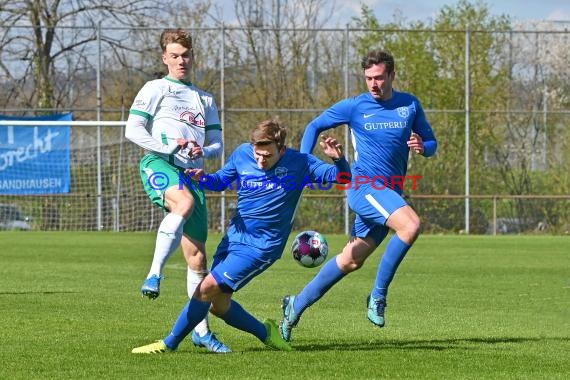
460, 307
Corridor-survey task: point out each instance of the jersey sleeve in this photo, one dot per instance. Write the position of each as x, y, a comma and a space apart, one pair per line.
147, 100
136, 132
423, 128
141, 113
214, 146
211, 113
321, 172
336, 115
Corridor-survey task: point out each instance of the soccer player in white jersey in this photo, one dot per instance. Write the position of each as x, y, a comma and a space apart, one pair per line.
385, 125
178, 125
270, 179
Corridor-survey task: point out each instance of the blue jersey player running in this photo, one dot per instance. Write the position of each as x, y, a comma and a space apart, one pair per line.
385, 125
270, 179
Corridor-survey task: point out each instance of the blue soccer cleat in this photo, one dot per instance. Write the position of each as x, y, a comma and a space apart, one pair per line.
151, 287
290, 319
376, 308
210, 342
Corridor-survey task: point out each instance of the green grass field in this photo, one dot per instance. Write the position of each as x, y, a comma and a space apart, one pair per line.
460, 307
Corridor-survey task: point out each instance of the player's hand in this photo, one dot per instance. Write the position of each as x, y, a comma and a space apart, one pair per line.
196, 150
182, 143
195, 173
331, 147
416, 143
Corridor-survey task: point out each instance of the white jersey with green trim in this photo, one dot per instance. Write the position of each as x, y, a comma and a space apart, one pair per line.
174, 109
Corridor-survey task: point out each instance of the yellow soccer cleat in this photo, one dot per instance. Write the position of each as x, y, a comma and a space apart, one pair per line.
274, 339
153, 348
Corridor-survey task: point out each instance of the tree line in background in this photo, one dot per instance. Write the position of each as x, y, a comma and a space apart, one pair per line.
281, 61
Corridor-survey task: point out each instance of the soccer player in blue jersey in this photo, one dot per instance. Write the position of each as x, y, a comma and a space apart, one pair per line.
385, 125
269, 179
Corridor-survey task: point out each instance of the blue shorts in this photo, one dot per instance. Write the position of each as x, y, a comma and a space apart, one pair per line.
373, 207
236, 264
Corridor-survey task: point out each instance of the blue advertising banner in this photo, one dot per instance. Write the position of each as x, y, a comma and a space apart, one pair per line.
35, 160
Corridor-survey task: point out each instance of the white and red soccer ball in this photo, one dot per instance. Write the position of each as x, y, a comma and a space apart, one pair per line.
310, 249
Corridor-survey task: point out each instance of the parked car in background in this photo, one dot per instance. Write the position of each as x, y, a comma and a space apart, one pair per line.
12, 218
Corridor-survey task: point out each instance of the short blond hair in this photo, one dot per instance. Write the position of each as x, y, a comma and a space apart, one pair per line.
175, 36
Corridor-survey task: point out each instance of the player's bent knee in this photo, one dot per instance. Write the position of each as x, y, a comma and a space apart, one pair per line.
406, 223
410, 232
347, 263
414, 227
185, 206
179, 202
208, 289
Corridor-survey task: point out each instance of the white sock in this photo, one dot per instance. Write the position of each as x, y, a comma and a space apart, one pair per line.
193, 279
167, 240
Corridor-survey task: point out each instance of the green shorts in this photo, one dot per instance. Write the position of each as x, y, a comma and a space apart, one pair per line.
157, 176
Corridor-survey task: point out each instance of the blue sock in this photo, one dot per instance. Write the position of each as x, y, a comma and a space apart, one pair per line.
329, 275
238, 317
393, 256
194, 311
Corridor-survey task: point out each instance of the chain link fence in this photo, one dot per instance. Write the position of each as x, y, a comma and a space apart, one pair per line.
498, 102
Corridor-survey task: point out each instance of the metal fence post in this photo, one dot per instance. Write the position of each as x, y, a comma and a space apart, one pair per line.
99, 106
467, 110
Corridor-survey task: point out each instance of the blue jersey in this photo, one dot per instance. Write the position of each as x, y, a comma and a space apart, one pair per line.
379, 130
268, 199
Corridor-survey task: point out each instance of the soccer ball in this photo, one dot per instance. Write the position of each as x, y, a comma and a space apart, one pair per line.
310, 249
